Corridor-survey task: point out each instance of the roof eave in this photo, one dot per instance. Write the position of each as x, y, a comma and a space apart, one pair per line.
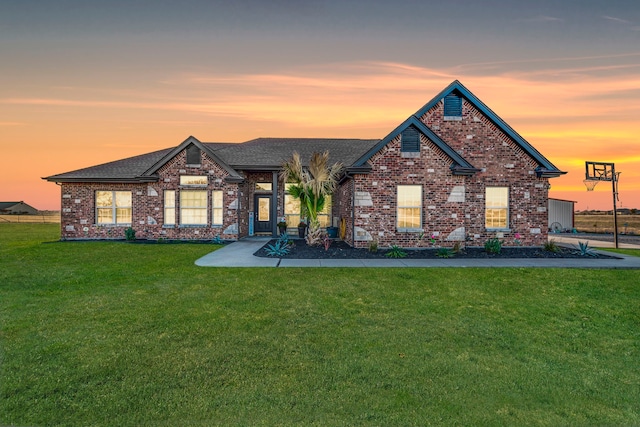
129, 180
548, 173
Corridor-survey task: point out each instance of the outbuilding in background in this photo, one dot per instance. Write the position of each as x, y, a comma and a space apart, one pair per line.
561, 215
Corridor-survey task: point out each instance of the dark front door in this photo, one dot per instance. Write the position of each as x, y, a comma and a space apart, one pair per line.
263, 221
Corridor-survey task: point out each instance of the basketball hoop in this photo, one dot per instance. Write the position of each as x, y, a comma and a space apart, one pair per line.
590, 183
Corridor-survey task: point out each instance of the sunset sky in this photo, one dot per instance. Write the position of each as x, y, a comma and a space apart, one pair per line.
86, 82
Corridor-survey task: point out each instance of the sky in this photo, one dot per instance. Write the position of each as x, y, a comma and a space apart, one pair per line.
86, 82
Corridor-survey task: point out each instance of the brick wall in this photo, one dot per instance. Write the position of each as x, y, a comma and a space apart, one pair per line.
78, 217
452, 206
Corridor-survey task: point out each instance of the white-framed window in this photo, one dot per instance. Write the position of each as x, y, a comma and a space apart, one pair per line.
409, 216
169, 207
496, 212
113, 207
216, 207
194, 180
193, 207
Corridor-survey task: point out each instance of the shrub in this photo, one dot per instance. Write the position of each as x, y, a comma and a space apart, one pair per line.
493, 246
551, 246
457, 248
130, 234
326, 241
585, 250
373, 246
444, 253
217, 240
396, 251
280, 248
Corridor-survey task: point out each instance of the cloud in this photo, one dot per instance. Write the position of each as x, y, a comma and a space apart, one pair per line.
611, 18
541, 18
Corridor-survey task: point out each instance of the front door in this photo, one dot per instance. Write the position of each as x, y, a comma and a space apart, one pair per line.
263, 223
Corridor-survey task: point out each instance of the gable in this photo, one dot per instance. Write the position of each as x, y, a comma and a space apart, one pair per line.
456, 90
459, 166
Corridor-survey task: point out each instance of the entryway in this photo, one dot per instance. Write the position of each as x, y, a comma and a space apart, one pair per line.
263, 220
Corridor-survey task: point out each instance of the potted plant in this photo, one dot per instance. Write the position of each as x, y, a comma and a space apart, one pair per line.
302, 228
282, 226
332, 232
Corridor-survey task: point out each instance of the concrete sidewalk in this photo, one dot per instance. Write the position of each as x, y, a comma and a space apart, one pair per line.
240, 254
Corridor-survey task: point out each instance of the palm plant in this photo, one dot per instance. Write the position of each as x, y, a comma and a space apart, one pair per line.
311, 186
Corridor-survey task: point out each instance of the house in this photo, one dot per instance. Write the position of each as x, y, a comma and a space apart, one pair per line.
17, 208
452, 172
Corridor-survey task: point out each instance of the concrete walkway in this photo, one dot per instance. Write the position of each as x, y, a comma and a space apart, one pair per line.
240, 254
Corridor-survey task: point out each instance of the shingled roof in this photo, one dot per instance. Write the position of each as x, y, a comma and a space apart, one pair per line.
257, 154
270, 153
125, 170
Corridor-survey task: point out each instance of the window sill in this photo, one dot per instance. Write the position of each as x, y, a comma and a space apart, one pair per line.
501, 230
193, 226
112, 225
410, 230
168, 226
452, 118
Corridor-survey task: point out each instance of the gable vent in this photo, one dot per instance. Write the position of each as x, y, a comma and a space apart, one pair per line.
452, 107
410, 140
193, 155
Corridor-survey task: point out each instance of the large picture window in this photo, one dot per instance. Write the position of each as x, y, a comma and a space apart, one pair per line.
409, 207
216, 207
193, 207
169, 207
496, 213
113, 207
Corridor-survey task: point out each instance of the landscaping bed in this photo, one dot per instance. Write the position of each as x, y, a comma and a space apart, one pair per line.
340, 250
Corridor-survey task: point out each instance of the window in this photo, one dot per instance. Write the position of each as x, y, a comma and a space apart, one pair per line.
216, 207
169, 207
264, 186
193, 207
410, 140
496, 213
291, 208
193, 155
113, 207
324, 216
452, 107
197, 180
409, 207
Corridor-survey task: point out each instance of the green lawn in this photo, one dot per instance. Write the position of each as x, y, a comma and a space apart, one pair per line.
95, 333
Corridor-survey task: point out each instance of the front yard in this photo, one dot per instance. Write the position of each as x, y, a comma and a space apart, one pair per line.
101, 333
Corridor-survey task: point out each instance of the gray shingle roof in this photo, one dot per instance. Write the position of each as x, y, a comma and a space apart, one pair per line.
129, 169
261, 153
272, 152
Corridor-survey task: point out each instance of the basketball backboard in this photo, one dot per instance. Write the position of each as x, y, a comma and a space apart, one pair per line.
599, 171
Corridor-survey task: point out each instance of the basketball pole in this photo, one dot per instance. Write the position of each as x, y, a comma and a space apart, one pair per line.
614, 188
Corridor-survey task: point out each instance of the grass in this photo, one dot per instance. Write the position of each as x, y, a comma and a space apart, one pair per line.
631, 252
589, 223
100, 333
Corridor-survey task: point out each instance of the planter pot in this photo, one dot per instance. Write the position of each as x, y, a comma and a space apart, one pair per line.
332, 232
301, 232
282, 230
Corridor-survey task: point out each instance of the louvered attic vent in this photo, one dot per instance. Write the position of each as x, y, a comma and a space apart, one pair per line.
410, 140
193, 155
452, 107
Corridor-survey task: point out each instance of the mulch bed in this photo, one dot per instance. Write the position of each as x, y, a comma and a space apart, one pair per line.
340, 250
